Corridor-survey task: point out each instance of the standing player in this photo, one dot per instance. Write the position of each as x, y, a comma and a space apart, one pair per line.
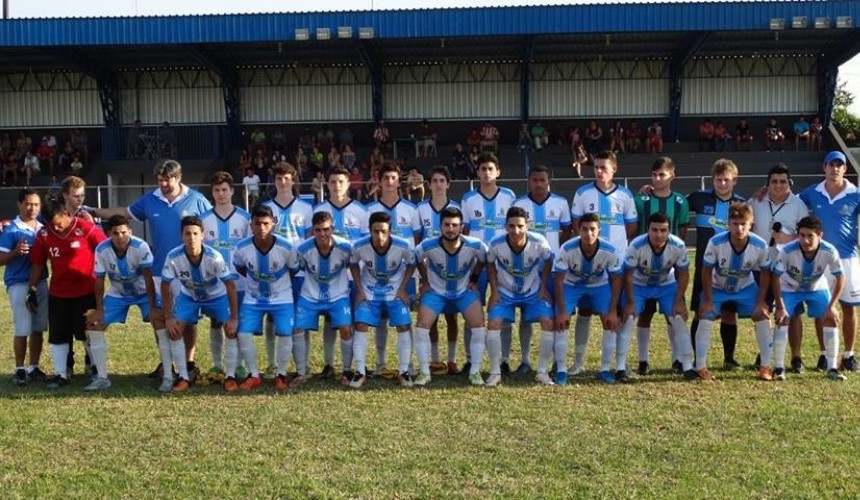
73, 194
616, 210
127, 261
449, 266
800, 268
207, 287
548, 215
518, 269
428, 213
382, 265
15, 243
266, 261
656, 269
484, 213
836, 202
69, 244
587, 271
712, 217
727, 277
224, 226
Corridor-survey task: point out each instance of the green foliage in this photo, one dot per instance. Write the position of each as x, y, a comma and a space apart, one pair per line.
845, 122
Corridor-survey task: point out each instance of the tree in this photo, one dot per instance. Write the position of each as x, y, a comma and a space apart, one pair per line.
845, 122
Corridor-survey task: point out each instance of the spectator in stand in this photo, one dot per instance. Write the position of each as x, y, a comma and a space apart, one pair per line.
414, 186
65, 159
318, 187
54, 188
333, 159
801, 132
489, 137
579, 160
706, 135
773, 134
540, 136
346, 138
245, 161
167, 140
473, 140
356, 183
633, 137
51, 140
306, 141
376, 157
372, 186
816, 133
279, 140
77, 165
426, 141
574, 138
524, 140
10, 170
593, 138
30, 168
79, 141
654, 134
306, 179
22, 144
743, 136
473, 162
277, 157
301, 157
134, 142
348, 156
257, 140
616, 138
45, 154
460, 162
251, 181
325, 138
316, 159
721, 136
381, 135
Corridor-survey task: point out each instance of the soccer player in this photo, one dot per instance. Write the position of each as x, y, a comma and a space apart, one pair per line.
800, 268
727, 277
324, 258
712, 217
69, 244
405, 224
449, 266
207, 287
484, 213
836, 202
292, 222
428, 213
616, 210
519, 264
224, 226
381, 267
548, 215
15, 243
587, 272
656, 268
660, 198
266, 260
127, 261
73, 193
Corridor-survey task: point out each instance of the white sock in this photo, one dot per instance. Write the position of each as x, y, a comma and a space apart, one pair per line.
248, 350
270, 343
673, 346
164, 351
526, 334
381, 340
231, 348
683, 342
765, 341
467, 343
847, 354
98, 351
607, 349
625, 334
216, 345
404, 351
703, 342
643, 341
346, 353
177, 354
581, 331
545, 347
434, 352
329, 336
780, 341
285, 352
452, 350
559, 346
506, 338
359, 351
831, 346
60, 355
494, 349
476, 347
300, 352
422, 346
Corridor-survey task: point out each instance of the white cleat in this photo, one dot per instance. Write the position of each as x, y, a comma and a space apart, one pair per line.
575, 370
544, 379
493, 380
476, 379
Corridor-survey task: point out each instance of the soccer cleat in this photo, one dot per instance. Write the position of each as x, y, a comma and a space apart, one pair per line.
250, 383
493, 380
691, 375
476, 379
452, 368
467, 368
345, 377
505, 368
19, 377
270, 372
36, 375
241, 372
215, 370
765, 373
543, 378
230, 384
92, 372
849, 364
387, 373
822, 363
779, 374
99, 384
757, 362
166, 385
730, 364
797, 365
358, 380
422, 379
438, 368
405, 379
606, 377
327, 372
181, 385
523, 369
704, 374
644, 368
836, 376
621, 377
576, 369
159, 370
193, 372
560, 378
56, 382
281, 383
297, 382
677, 367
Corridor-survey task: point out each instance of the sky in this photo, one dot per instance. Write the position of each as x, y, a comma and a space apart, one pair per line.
849, 72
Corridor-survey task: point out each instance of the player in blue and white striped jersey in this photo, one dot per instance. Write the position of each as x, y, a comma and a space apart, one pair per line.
587, 273
656, 268
800, 272
518, 268
727, 277
381, 266
449, 266
224, 225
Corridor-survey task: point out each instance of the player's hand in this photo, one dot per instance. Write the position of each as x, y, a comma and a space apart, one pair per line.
762, 309
610, 321
759, 195
22, 248
780, 316
706, 309
562, 321
32, 300
493, 300
647, 189
404, 296
231, 328
424, 288
545, 296
831, 314
175, 328
680, 309
629, 310
359, 298
95, 318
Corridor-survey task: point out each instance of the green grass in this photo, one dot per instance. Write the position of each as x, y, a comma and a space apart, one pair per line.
656, 437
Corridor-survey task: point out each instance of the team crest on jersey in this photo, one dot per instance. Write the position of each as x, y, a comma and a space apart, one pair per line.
78, 232
184, 274
403, 221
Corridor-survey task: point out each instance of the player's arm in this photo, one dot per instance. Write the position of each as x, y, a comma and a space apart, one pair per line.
627, 284
707, 303
833, 306
562, 318
355, 270
564, 234
610, 320
174, 327
232, 324
493, 280
156, 315
631, 228
546, 273
402, 292
99, 292
682, 277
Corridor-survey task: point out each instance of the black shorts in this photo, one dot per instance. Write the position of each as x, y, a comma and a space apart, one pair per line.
66, 318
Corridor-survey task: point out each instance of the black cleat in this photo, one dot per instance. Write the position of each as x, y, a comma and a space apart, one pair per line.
157, 373
757, 362
327, 372
822, 363
677, 367
466, 368
691, 375
19, 377
849, 364
644, 368
621, 377
731, 364
56, 382
37, 375
797, 365
506, 368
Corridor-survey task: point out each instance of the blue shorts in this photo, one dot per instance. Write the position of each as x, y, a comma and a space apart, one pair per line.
116, 308
296, 283
664, 295
483, 283
308, 313
439, 304
597, 298
743, 300
251, 318
533, 309
369, 312
816, 303
188, 310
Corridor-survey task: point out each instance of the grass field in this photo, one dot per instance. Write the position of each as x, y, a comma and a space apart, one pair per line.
656, 437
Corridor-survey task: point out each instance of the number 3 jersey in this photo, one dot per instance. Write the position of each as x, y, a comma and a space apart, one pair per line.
732, 270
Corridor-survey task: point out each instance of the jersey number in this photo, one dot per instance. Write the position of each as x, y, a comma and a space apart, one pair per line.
54, 251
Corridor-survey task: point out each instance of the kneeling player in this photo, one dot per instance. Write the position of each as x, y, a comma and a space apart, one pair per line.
381, 289
518, 267
449, 266
800, 267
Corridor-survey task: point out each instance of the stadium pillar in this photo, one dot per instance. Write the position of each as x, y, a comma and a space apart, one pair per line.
112, 143
525, 80
676, 71
375, 68
230, 89
826, 79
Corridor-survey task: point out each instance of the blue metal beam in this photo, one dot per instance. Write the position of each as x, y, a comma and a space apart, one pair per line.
525, 78
676, 76
826, 81
376, 90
